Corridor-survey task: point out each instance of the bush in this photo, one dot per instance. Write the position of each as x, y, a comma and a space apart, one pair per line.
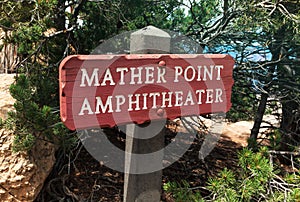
182, 192
1, 123
31, 121
255, 181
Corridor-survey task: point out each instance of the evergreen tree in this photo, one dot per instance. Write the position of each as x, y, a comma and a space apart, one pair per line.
46, 31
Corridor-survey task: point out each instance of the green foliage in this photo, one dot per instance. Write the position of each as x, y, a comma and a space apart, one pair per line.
163, 14
252, 182
31, 121
26, 24
23, 141
1, 123
36, 115
29, 24
293, 178
295, 195
182, 192
275, 138
25, 36
244, 103
223, 185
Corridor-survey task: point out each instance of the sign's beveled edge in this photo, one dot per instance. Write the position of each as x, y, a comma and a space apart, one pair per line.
63, 113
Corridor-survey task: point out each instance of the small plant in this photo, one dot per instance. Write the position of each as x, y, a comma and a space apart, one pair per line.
23, 142
31, 121
182, 192
250, 183
275, 138
1, 123
256, 180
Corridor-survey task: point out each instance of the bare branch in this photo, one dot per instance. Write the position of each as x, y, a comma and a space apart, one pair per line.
284, 153
50, 34
6, 28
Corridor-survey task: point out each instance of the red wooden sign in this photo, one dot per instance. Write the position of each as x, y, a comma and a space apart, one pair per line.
109, 90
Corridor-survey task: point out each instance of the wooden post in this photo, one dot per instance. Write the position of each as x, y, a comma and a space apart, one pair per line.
140, 186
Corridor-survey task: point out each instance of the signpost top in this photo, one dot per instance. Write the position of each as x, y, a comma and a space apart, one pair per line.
150, 40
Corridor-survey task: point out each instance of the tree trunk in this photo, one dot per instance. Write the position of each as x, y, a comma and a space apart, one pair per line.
225, 6
287, 123
60, 19
258, 121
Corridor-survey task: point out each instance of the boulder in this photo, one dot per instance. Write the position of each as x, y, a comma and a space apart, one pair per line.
22, 174
6, 101
238, 132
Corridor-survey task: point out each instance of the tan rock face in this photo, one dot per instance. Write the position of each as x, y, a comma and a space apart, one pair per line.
238, 132
21, 175
6, 101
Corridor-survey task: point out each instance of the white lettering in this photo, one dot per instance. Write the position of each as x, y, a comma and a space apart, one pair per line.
89, 80
145, 100
149, 75
120, 100
160, 75
189, 98
219, 93
178, 72
122, 71
108, 104
154, 95
208, 72
136, 102
199, 73
219, 67
108, 77
200, 96
165, 99
178, 98
209, 95
85, 107
192, 74
137, 75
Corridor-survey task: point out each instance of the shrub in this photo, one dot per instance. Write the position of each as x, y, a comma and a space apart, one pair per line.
31, 121
256, 180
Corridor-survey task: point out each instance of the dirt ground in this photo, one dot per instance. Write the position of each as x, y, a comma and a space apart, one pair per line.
85, 179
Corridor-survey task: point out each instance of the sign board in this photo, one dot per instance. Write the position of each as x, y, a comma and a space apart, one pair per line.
109, 90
